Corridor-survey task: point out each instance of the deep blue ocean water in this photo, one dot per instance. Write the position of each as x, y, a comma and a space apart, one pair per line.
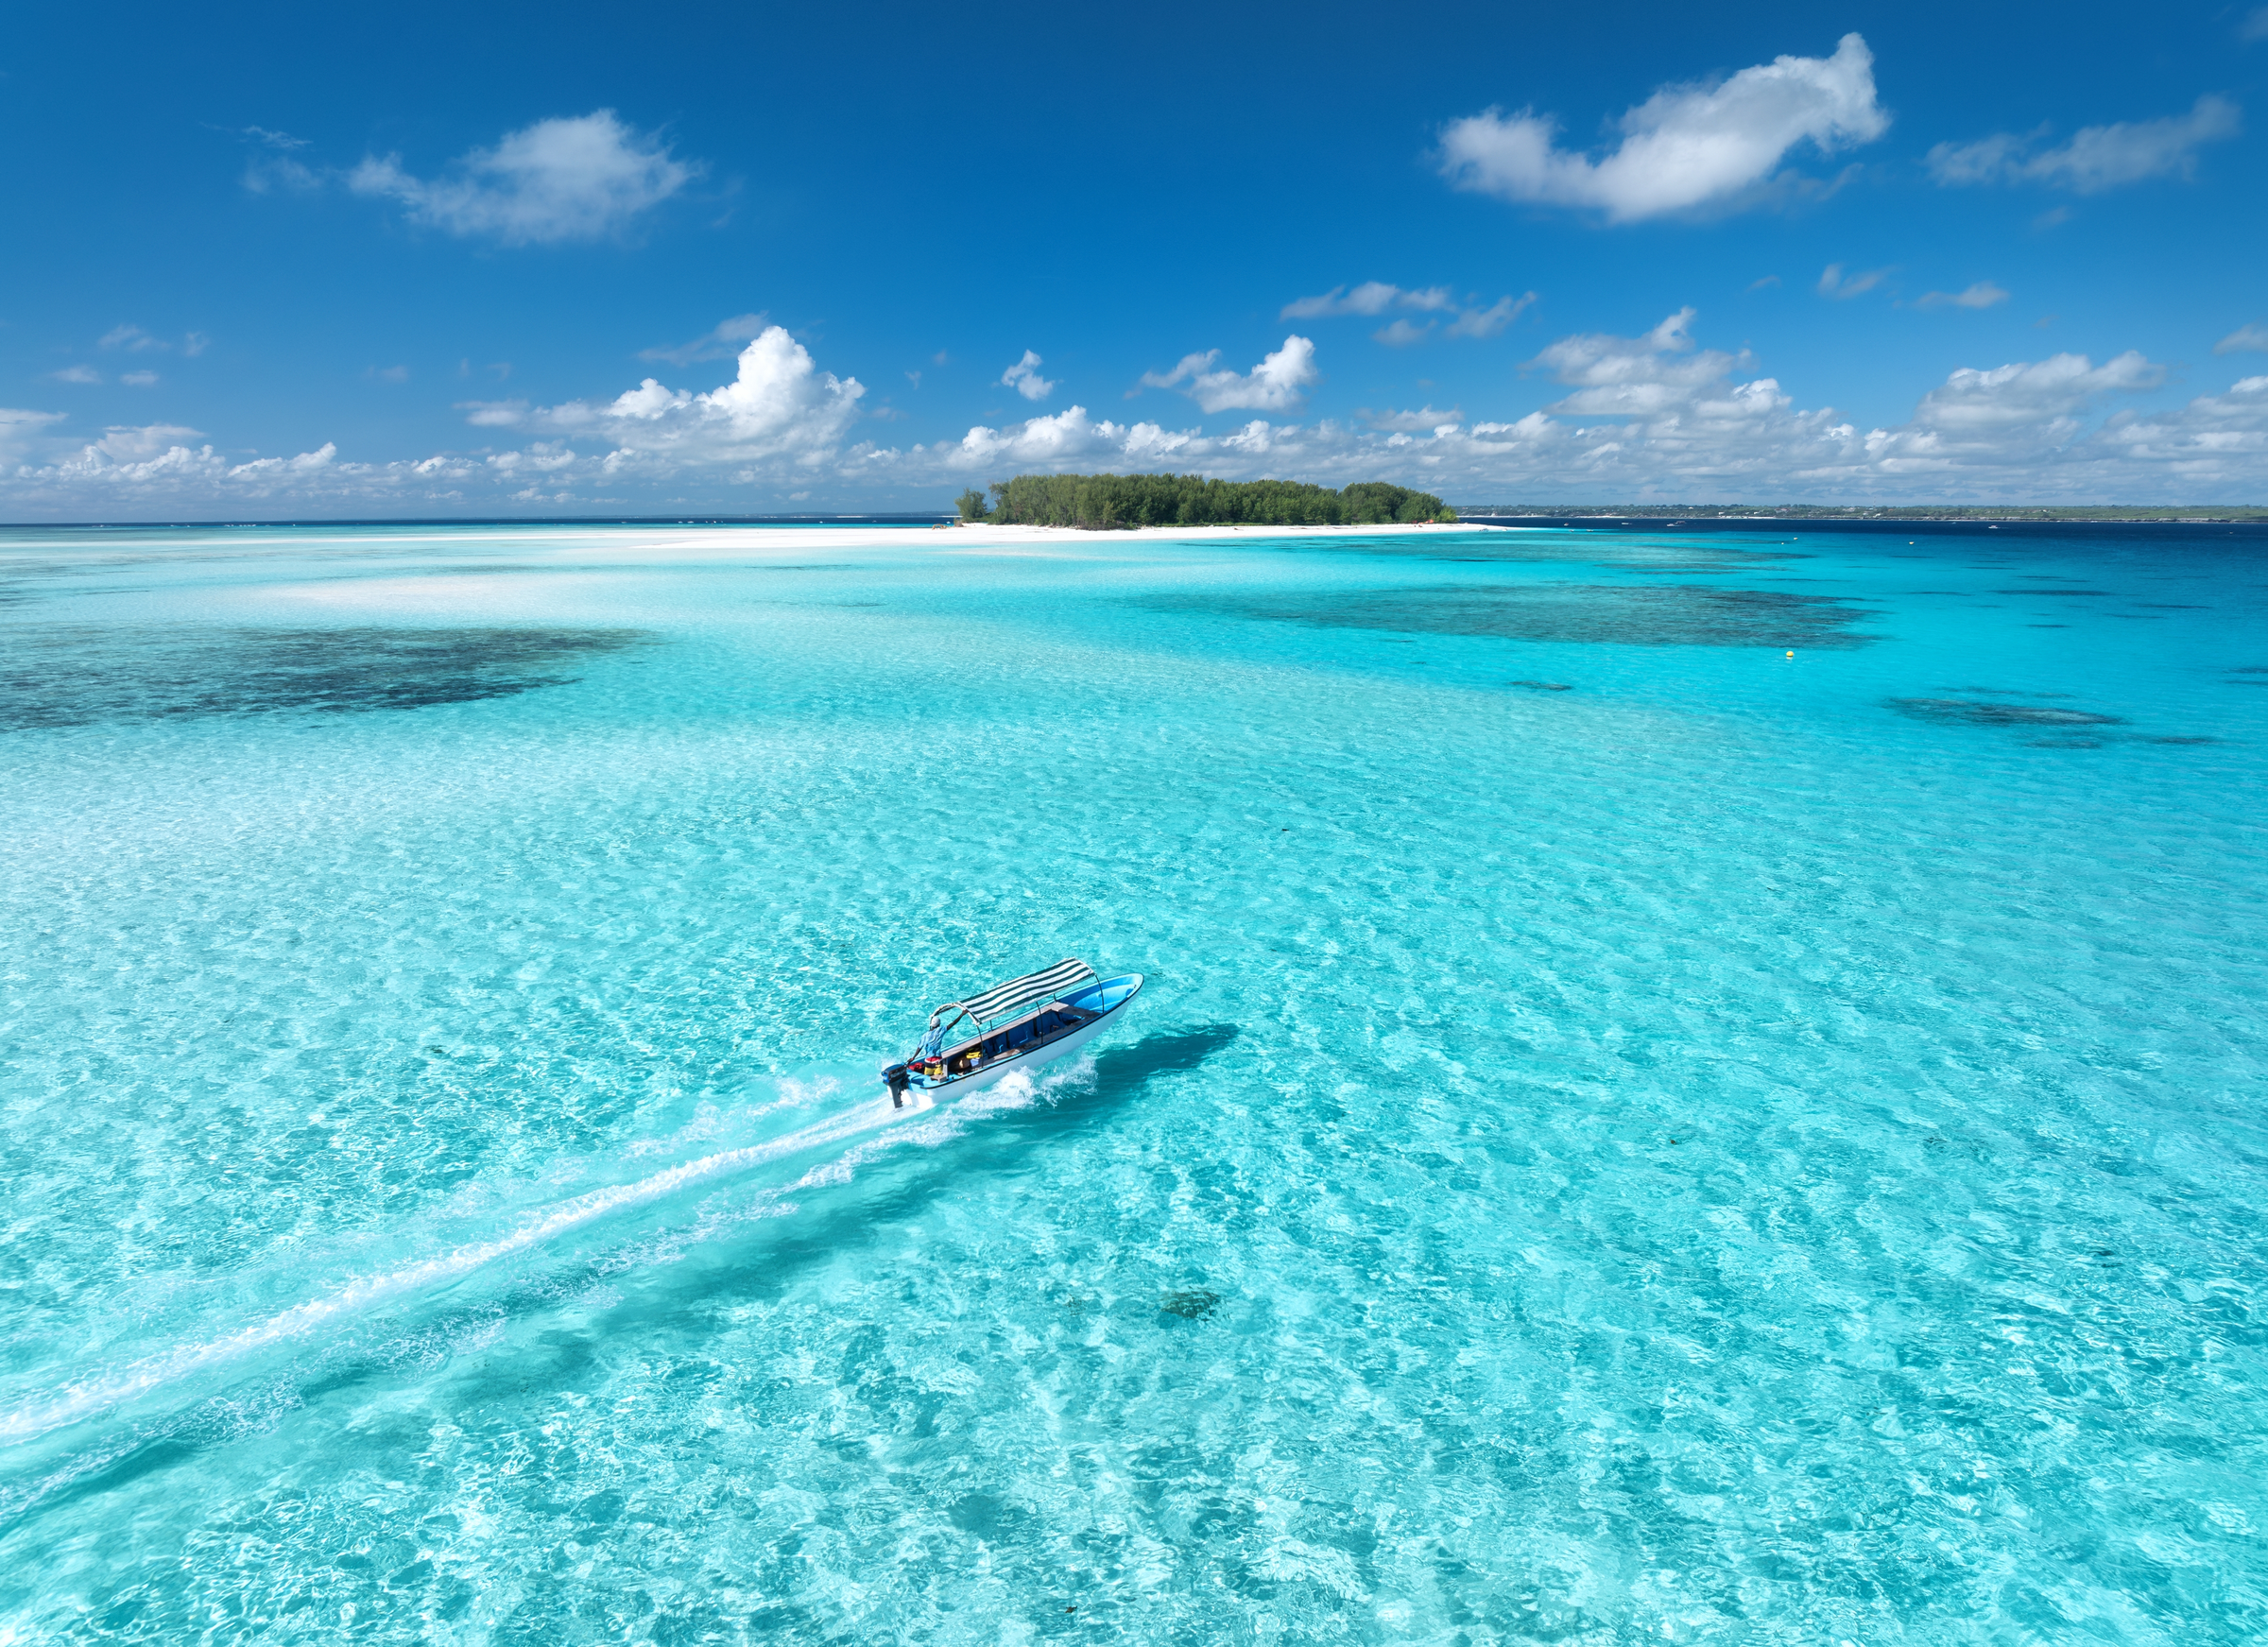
1631, 1134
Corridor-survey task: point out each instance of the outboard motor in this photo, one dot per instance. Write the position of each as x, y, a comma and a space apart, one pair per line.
896, 1076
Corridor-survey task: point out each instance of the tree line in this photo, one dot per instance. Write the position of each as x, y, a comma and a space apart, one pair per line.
1106, 501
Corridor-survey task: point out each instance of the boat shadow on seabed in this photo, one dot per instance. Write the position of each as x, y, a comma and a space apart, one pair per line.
1120, 1074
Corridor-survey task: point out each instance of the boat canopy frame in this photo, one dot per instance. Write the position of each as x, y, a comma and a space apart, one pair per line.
1004, 1000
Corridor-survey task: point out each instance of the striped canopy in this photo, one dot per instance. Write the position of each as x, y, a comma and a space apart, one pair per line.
1016, 992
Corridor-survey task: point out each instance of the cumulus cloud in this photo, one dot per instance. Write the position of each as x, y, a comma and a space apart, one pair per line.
1278, 382
1685, 148
1834, 284
1024, 377
1983, 295
151, 461
135, 444
2251, 340
141, 379
562, 180
722, 342
2096, 158
779, 406
2045, 391
80, 373
1633, 376
1371, 297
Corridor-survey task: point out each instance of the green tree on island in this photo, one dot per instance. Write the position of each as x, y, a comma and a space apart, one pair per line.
1106, 500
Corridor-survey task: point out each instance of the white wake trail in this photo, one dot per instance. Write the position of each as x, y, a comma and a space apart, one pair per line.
78, 1400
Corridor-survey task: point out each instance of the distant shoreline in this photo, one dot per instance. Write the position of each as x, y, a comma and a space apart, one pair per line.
1976, 514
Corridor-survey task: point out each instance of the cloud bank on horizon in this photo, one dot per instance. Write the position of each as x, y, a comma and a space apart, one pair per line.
1654, 414
1570, 399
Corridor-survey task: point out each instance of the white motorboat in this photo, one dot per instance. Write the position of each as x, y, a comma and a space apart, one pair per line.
1022, 1024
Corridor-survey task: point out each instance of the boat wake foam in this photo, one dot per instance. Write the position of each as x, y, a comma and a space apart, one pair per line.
855, 1135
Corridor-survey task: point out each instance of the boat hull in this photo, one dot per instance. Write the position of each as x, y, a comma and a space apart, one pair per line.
1040, 1056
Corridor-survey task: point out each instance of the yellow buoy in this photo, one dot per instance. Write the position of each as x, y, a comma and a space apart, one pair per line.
1791, 654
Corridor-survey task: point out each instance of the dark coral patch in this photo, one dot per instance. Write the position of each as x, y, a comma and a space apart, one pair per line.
76, 677
1630, 615
1190, 1303
1965, 711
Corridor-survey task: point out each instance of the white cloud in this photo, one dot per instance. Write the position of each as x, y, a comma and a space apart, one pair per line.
722, 342
494, 414
1063, 437
1832, 283
1685, 148
1983, 295
141, 379
1377, 297
194, 344
778, 406
274, 163
2254, 26
1278, 382
19, 428
561, 179
2097, 157
133, 443
1024, 377
1489, 321
129, 337
1371, 297
1410, 422
2251, 340
2047, 391
81, 373
387, 373
1633, 376
1188, 367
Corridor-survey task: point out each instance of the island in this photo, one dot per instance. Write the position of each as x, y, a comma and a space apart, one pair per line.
1111, 502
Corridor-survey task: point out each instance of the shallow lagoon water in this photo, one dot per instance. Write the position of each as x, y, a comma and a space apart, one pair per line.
1630, 1134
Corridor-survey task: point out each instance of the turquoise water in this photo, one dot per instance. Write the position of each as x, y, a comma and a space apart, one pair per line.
1630, 1135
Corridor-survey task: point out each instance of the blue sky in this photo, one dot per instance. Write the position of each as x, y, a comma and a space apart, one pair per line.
424, 260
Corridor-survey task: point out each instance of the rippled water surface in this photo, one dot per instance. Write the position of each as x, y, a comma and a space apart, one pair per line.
1689, 1088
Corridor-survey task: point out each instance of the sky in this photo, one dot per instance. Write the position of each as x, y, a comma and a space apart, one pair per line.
415, 260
